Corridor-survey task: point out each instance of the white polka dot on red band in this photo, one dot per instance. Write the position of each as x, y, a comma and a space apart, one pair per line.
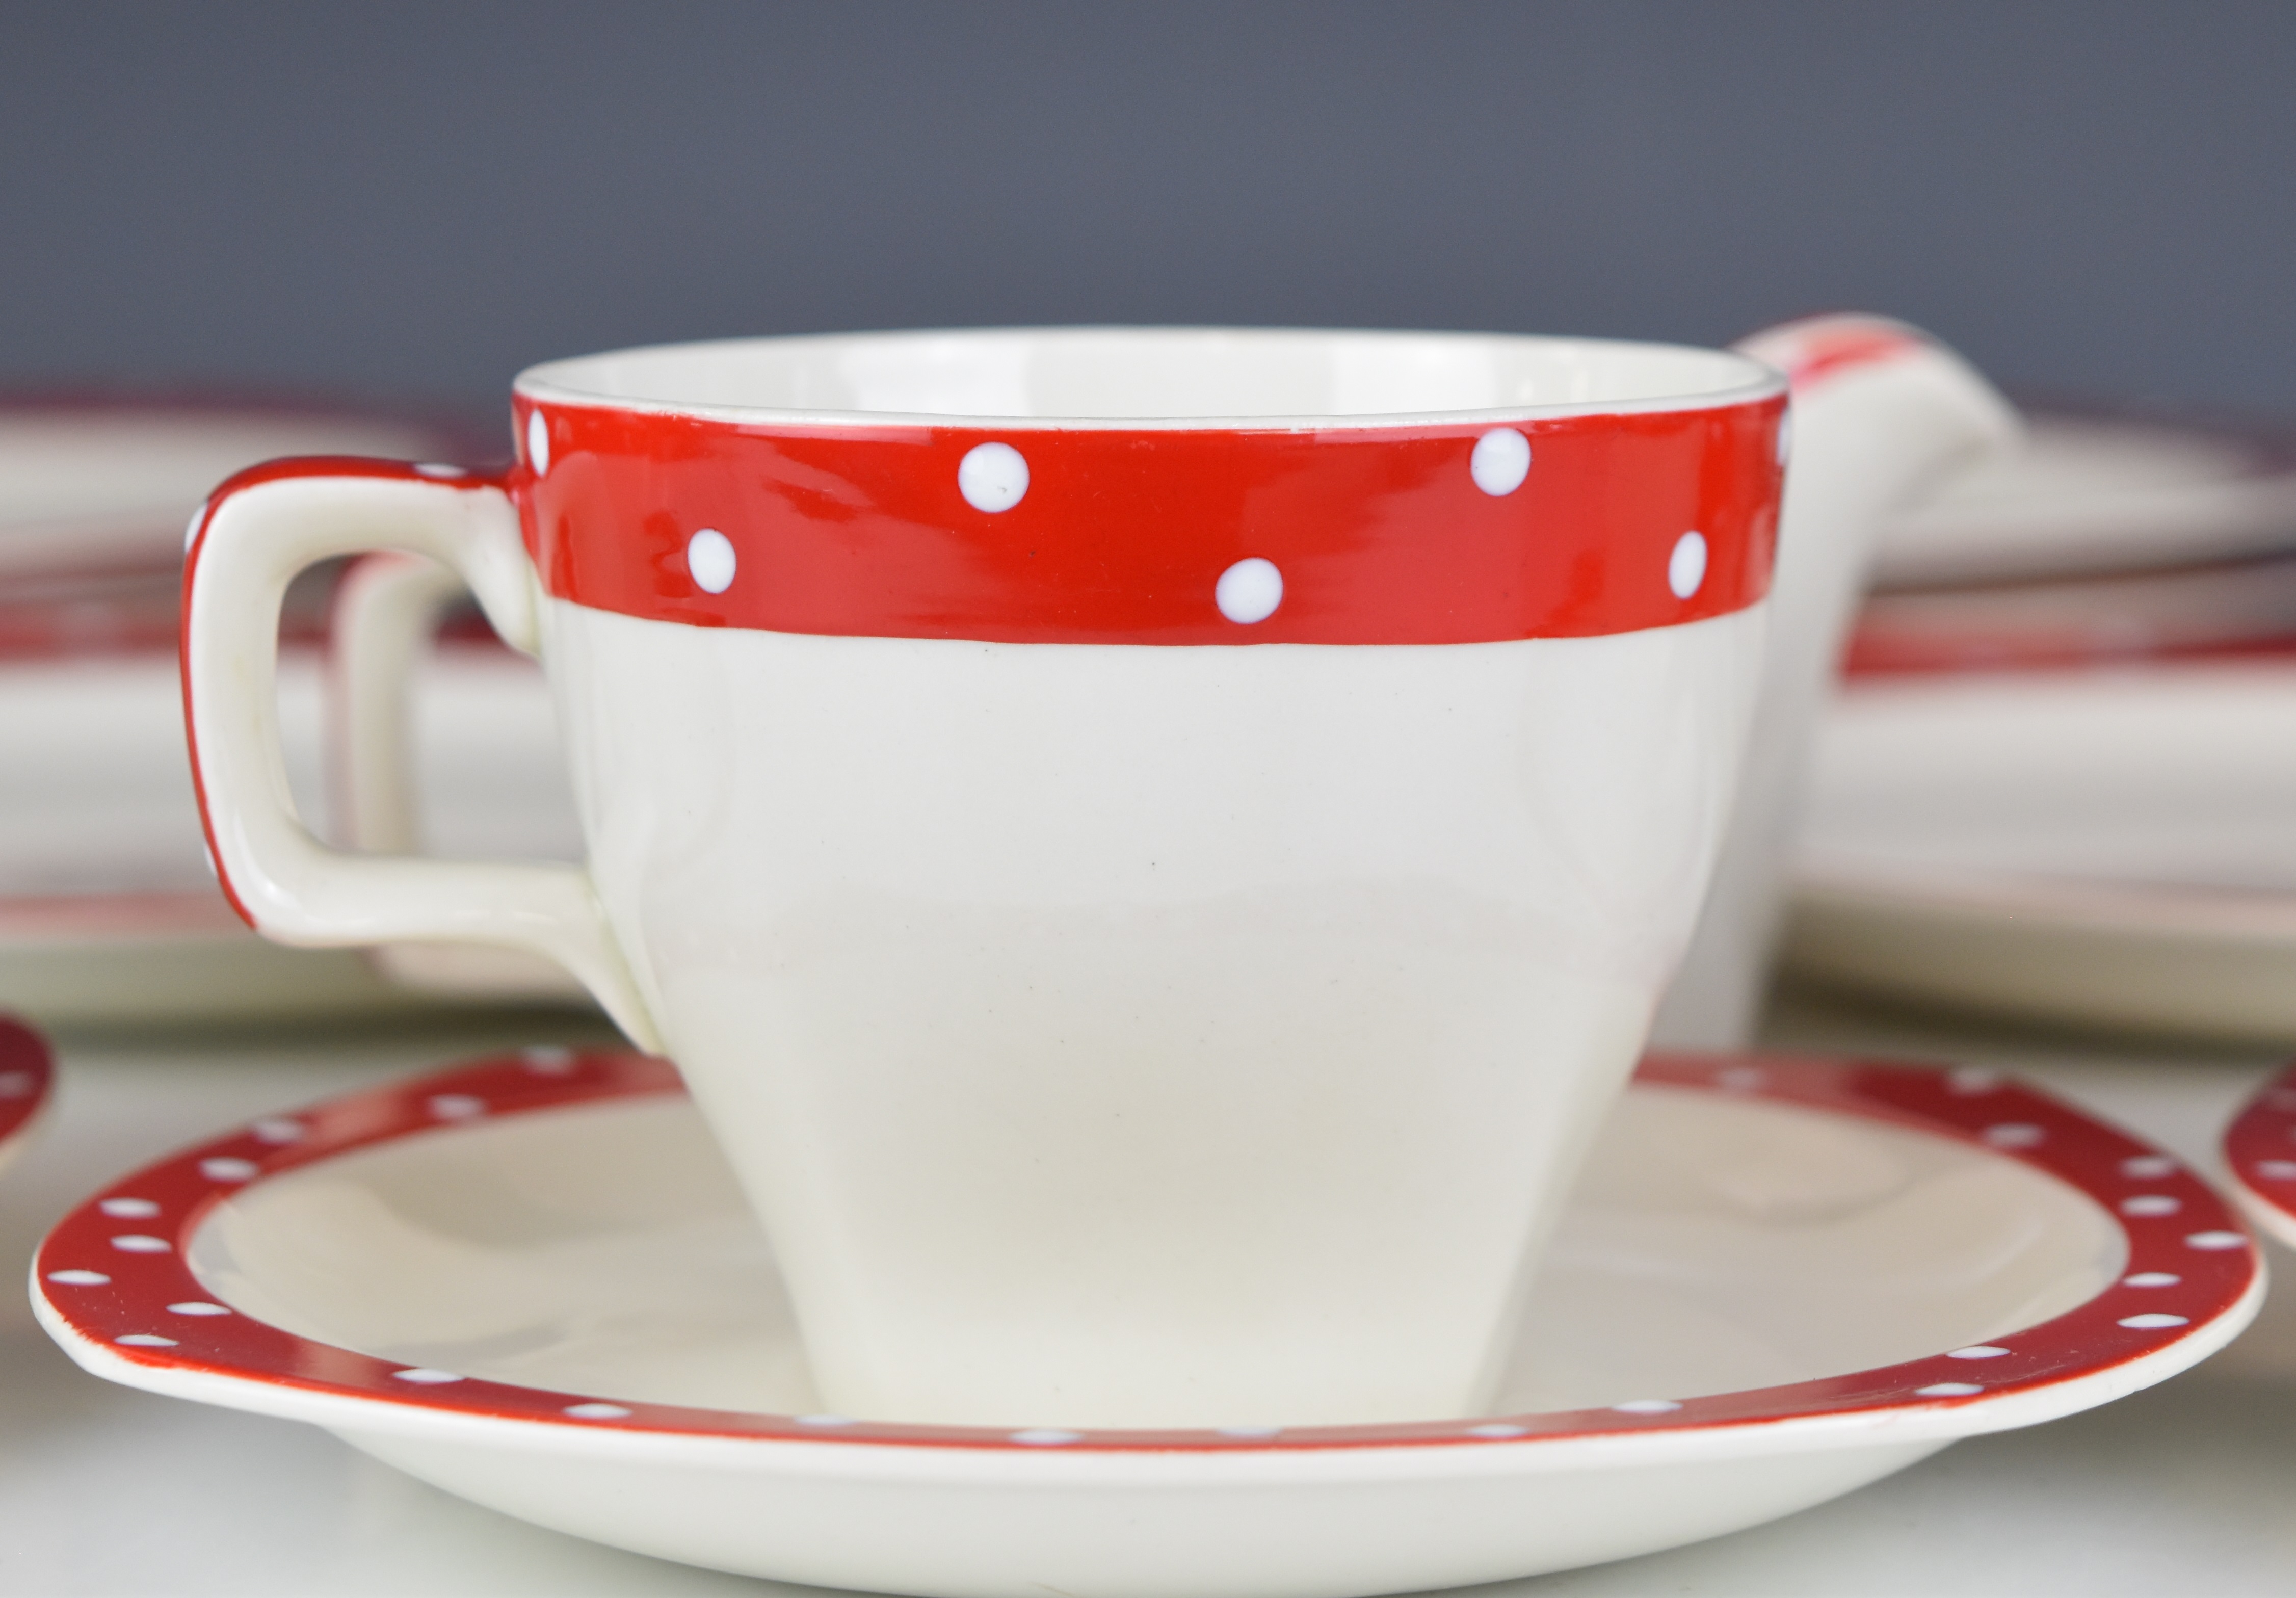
711, 560
1248, 591
1685, 568
1500, 462
992, 478
2217, 1240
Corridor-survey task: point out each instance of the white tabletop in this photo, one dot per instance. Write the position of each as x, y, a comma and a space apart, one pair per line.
2187, 1488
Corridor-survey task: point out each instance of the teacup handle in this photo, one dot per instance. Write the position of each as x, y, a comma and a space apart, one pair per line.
255, 534
385, 611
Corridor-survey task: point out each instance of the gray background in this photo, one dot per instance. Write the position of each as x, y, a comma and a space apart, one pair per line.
413, 200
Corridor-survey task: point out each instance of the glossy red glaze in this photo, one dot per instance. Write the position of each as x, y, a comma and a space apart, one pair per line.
27, 1073
1380, 534
2188, 1261
1833, 346
2259, 1151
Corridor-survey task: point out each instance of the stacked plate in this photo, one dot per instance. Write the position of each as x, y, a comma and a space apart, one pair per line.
107, 906
2060, 782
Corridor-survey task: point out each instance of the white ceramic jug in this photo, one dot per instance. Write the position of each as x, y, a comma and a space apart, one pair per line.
1881, 415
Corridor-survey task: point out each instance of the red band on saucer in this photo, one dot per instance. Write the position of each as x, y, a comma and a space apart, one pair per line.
1604, 523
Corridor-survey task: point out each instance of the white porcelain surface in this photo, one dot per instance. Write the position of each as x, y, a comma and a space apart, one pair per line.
2113, 847
1131, 377
1015, 976
1716, 1241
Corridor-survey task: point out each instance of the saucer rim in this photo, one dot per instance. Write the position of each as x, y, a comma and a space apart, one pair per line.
2073, 1361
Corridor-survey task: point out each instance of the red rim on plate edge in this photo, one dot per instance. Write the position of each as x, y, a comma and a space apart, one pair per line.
111, 1280
26, 1072
2259, 1151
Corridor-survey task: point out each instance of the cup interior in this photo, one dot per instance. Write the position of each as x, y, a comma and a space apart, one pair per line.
1137, 376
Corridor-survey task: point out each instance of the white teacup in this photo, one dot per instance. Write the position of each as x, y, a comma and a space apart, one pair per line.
1153, 850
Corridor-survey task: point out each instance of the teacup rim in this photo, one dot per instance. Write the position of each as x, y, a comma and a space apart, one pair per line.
561, 382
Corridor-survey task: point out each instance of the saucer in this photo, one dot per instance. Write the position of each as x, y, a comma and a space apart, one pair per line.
27, 1075
2111, 848
530, 1282
2259, 1151
2098, 491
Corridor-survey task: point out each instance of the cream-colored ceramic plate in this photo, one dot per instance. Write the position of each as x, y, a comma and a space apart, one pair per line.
107, 908
2099, 493
105, 484
532, 1282
2106, 847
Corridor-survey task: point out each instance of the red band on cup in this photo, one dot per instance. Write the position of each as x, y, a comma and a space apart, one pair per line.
1566, 527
